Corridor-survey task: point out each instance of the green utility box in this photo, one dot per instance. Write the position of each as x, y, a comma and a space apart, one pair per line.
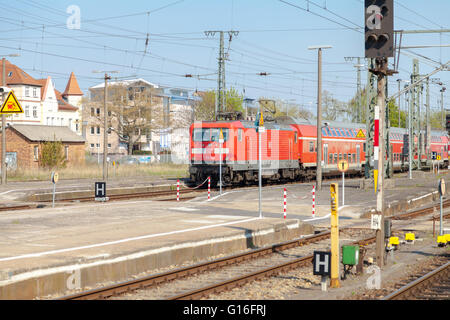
350, 255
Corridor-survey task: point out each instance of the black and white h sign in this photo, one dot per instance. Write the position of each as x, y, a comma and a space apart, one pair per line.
322, 263
100, 191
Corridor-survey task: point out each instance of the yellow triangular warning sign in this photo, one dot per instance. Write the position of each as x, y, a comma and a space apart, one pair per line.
11, 105
261, 120
360, 134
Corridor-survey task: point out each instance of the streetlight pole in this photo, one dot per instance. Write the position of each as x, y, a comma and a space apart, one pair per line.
3, 164
442, 108
319, 114
105, 130
105, 123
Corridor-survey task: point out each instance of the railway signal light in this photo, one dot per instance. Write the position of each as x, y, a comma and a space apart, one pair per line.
447, 121
379, 28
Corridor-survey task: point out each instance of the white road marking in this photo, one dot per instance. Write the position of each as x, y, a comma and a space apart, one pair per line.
327, 216
45, 253
184, 209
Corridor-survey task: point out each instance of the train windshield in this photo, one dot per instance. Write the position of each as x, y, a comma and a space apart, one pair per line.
209, 134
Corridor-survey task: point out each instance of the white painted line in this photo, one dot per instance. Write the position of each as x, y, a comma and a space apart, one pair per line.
137, 255
40, 254
327, 216
218, 196
184, 209
230, 217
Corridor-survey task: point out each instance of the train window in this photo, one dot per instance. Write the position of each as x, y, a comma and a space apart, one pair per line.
311, 146
340, 156
349, 157
335, 158
198, 134
354, 158
295, 137
215, 134
345, 156
330, 158
240, 134
207, 134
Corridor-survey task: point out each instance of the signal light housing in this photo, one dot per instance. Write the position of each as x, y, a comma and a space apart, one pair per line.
379, 28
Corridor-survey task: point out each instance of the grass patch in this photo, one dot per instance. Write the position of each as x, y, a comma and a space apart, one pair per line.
91, 171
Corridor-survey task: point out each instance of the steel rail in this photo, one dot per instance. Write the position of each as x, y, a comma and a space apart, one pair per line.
411, 289
152, 280
429, 210
267, 272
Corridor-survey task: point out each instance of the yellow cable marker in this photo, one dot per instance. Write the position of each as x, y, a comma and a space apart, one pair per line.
334, 283
375, 179
410, 236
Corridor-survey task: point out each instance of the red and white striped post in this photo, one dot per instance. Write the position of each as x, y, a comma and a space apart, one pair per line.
314, 202
178, 190
209, 188
284, 203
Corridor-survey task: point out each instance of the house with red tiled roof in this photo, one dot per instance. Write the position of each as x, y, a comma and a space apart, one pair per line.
41, 102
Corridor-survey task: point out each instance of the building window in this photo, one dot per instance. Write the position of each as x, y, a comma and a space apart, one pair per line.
98, 130
27, 91
92, 112
27, 111
36, 153
109, 145
35, 112
98, 145
92, 145
35, 92
98, 111
92, 130
76, 126
66, 152
69, 123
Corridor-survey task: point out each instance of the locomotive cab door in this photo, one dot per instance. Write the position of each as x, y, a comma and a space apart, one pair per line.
358, 155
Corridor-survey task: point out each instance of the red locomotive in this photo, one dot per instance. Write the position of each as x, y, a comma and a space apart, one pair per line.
288, 149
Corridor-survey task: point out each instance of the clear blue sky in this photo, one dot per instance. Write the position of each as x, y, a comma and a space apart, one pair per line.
273, 37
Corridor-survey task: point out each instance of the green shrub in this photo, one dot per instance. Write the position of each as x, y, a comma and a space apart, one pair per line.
52, 155
141, 152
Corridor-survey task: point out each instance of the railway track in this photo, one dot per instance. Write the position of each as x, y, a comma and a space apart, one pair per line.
433, 285
424, 211
266, 261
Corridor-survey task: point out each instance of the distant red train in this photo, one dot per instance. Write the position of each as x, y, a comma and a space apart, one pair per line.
289, 150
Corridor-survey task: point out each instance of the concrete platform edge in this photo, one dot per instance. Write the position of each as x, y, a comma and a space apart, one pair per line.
84, 275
